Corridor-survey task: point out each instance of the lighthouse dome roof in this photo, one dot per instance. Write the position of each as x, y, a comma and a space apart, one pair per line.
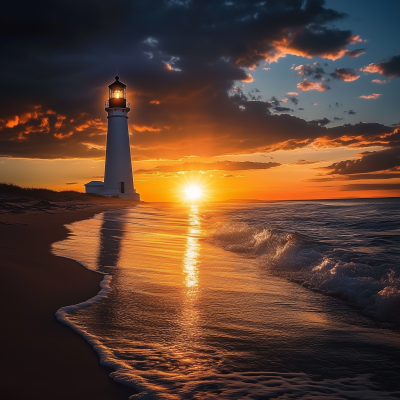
117, 83
94, 183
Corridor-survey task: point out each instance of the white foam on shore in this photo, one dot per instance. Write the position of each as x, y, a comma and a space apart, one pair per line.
254, 385
107, 358
376, 291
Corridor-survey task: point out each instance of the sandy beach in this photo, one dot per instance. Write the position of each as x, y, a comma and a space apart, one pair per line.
41, 357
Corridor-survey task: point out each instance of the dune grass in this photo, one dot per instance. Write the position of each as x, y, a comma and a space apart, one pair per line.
49, 195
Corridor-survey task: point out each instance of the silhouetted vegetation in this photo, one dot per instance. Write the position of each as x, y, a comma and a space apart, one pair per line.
25, 194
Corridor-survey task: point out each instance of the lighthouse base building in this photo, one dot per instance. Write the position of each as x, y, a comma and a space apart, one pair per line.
118, 177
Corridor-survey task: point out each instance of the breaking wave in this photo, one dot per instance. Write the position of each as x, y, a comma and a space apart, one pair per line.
316, 265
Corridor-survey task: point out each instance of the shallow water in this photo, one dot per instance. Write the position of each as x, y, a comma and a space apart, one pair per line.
279, 300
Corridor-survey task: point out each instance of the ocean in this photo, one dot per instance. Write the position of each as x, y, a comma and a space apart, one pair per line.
280, 300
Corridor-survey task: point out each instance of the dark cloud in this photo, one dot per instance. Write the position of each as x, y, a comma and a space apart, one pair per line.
180, 62
345, 74
322, 41
369, 162
320, 122
360, 135
253, 95
356, 177
389, 67
355, 52
351, 112
337, 119
293, 100
387, 175
371, 186
214, 166
222, 125
282, 109
274, 101
309, 85
314, 71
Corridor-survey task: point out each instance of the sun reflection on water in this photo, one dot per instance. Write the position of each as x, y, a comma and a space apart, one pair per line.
189, 336
190, 261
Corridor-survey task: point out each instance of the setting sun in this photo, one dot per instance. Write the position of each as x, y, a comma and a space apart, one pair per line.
193, 192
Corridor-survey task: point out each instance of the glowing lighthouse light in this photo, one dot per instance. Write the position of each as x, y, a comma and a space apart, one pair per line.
118, 177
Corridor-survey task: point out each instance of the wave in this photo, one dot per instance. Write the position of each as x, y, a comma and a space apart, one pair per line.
257, 385
107, 358
316, 265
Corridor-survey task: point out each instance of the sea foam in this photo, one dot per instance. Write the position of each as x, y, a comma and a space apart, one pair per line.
315, 265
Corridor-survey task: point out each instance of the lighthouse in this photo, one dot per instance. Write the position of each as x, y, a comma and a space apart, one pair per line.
118, 177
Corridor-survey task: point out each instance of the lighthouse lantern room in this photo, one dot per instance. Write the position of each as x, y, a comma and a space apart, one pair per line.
118, 177
117, 94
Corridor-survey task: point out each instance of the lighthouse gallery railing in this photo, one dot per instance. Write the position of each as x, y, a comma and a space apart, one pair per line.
107, 104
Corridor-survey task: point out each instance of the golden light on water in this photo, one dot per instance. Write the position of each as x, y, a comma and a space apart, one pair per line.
189, 318
192, 249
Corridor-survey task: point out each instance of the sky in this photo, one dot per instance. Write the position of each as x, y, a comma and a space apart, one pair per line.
270, 100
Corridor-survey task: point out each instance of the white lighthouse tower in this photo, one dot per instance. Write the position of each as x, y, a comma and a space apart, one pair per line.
118, 177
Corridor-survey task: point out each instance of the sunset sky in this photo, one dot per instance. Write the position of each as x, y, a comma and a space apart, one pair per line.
275, 99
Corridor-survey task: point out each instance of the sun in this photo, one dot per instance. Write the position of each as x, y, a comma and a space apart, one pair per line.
193, 192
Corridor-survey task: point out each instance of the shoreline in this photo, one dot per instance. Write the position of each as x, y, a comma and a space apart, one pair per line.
43, 358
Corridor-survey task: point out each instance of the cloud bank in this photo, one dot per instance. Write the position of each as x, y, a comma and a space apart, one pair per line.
180, 85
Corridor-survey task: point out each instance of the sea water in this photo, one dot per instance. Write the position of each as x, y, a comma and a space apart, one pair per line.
284, 300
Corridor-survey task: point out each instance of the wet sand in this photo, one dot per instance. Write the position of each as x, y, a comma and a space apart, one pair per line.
41, 357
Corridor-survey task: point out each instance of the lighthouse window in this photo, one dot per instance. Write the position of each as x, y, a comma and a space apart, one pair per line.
122, 188
118, 93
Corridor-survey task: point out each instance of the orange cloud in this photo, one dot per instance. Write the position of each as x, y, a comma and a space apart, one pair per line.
154, 102
355, 53
143, 128
248, 78
378, 81
389, 67
91, 146
357, 38
371, 96
232, 176
45, 124
61, 136
372, 68
60, 119
349, 77
308, 85
212, 166
13, 122
304, 162
91, 123
300, 46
